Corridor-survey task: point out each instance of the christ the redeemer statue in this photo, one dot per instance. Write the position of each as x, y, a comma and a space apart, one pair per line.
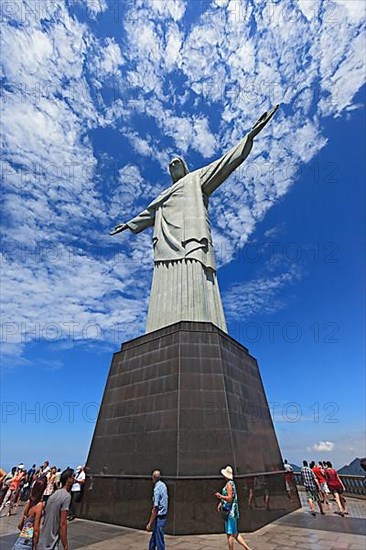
185, 286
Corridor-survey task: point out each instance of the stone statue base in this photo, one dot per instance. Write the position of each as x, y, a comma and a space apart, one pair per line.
188, 400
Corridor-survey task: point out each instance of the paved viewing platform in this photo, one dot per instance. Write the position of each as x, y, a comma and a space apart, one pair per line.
298, 530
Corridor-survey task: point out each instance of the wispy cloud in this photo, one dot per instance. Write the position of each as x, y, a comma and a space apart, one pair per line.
262, 295
275, 231
198, 85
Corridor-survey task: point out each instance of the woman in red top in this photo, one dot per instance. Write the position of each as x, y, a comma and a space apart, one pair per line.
320, 476
336, 487
12, 491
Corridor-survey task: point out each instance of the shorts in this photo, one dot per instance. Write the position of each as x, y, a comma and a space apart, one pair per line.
324, 487
338, 490
288, 486
23, 544
231, 526
313, 494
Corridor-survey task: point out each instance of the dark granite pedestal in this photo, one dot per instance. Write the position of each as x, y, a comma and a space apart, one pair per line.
189, 400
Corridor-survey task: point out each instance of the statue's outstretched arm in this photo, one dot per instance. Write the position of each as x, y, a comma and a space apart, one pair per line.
218, 171
138, 223
119, 228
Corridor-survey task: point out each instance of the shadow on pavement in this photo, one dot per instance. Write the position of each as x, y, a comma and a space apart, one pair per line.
335, 523
81, 534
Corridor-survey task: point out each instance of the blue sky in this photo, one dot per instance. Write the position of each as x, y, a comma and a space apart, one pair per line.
97, 97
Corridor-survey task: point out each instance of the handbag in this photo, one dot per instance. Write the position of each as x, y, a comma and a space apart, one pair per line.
225, 509
225, 512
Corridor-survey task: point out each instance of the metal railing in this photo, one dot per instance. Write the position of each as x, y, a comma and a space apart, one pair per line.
355, 485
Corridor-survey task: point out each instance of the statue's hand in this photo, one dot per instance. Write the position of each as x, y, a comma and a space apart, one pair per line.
262, 122
119, 228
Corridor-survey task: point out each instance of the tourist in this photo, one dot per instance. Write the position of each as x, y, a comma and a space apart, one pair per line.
45, 468
6, 482
336, 487
50, 487
229, 508
159, 513
311, 486
29, 523
31, 474
38, 473
20, 489
2, 475
55, 518
58, 479
31, 477
320, 476
289, 479
76, 490
12, 491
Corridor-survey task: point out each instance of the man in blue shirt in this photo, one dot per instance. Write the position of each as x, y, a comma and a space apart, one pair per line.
158, 513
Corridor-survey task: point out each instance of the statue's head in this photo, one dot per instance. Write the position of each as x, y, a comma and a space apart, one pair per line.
178, 168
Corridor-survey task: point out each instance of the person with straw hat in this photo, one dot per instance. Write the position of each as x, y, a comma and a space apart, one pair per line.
229, 508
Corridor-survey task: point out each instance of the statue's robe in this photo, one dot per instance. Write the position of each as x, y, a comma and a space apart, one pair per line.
185, 286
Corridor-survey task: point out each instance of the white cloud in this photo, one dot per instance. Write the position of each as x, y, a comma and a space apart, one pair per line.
348, 77
108, 59
308, 8
356, 9
34, 50
11, 351
202, 139
174, 40
186, 132
228, 76
174, 9
275, 231
95, 7
221, 3
310, 141
47, 309
261, 295
323, 446
51, 197
130, 186
142, 145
